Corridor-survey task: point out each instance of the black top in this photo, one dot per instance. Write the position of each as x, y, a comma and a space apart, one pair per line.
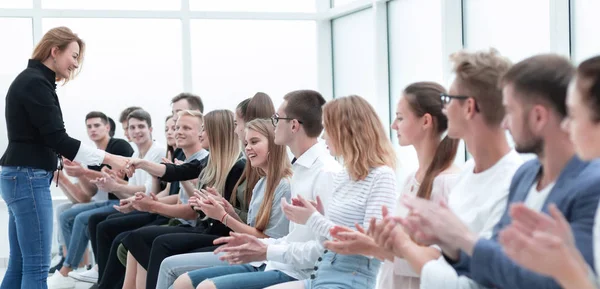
119, 147
215, 227
34, 122
179, 155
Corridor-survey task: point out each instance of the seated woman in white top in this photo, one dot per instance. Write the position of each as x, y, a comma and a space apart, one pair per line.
547, 245
420, 123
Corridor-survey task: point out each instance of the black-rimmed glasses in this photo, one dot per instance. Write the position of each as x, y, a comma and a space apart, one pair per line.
446, 98
275, 119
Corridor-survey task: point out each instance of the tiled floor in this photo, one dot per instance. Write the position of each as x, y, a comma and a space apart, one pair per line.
79, 285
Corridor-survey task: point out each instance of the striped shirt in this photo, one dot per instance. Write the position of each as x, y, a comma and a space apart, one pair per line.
356, 201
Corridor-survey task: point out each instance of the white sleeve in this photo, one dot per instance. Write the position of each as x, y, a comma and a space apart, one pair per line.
89, 156
299, 254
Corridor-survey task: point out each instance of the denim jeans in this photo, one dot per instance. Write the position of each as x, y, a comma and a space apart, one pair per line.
239, 276
344, 271
172, 267
26, 192
74, 226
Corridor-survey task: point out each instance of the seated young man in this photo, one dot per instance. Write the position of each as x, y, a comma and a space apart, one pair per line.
74, 221
534, 93
83, 191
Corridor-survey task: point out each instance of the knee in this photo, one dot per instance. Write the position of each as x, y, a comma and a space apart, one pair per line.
82, 219
183, 282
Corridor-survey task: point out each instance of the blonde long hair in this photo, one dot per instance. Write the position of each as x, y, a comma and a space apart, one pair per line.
279, 167
224, 148
358, 135
59, 37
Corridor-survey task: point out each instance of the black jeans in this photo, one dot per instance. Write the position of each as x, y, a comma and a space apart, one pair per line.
109, 236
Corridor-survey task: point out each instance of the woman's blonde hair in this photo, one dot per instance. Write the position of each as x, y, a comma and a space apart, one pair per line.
59, 37
279, 167
224, 148
358, 135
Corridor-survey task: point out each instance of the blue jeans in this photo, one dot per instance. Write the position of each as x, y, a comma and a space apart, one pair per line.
344, 271
239, 276
74, 226
26, 192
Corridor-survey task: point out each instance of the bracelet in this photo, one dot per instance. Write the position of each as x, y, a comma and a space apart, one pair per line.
224, 216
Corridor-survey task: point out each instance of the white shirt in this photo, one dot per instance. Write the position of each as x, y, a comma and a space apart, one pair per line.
479, 200
294, 254
399, 274
535, 199
141, 177
89, 156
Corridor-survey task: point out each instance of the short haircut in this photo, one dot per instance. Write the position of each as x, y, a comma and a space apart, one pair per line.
112, 130
97, 114
479, 74
542, 78
125, 113
142, 115
306, 106
193, 113
194, 101
588, 84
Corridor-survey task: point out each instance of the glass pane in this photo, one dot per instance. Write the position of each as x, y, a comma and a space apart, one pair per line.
234, 59
16, 4
113, 4
585, 38
353, 55
254, 5
341, 2
121, 71
518, 29
14, 60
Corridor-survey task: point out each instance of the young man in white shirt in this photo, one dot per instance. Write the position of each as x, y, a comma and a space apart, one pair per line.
298, 124
140, 130
534, 91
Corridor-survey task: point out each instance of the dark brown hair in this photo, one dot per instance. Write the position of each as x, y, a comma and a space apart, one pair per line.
258, 107
542, 78
142, 115
97, 114
424, 98
588, 84
194, 101
306, 106
125, 113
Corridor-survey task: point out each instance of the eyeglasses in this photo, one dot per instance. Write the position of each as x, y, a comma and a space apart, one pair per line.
446, 98
275, 119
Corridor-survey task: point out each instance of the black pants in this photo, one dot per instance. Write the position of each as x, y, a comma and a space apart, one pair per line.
174, 244
95, 219
109, 236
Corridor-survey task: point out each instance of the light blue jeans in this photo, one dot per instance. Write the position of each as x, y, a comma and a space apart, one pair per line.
344, 271
239, 276
26, 192
173, 267
74, 226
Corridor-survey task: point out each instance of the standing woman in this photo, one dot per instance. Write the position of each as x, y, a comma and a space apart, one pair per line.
36, 141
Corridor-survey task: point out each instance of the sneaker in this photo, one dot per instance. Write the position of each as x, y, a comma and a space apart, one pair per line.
88, 276
56, 267
58, 281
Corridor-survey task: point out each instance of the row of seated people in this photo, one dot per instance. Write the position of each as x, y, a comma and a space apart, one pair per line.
252, 218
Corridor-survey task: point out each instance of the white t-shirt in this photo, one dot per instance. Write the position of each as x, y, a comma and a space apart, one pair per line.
399, 274
141, 177
535, 199
479, 200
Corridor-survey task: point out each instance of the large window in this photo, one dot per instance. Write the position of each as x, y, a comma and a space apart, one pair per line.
15, 3
518, 29
584, 28
353, 56
13, 57
127, 62
234, 59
